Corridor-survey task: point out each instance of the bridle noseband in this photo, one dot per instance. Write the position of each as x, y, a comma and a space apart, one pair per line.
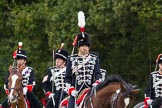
17, 90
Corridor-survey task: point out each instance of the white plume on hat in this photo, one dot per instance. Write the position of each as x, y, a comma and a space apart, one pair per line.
81, 19
20, 43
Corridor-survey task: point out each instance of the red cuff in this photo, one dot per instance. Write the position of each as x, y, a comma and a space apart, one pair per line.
145, 102
70, 90
30, 87
43, 102
7, 92
48, 93
97, 81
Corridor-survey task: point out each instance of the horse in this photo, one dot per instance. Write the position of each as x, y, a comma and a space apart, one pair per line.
112, 93
16, 97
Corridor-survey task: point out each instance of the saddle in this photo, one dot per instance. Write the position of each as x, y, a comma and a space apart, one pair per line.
81, 96
79, 101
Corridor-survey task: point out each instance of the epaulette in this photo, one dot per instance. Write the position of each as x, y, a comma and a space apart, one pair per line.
93, 55
154, 72
74, 55
30, 68
51, 67
103, 70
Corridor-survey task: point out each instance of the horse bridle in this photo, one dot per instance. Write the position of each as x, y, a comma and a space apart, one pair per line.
18, 90
116, 95
115, 98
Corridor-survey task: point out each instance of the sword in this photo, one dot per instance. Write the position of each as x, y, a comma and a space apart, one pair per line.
53, 68
61, 96
53, 78
76, 73
53, 101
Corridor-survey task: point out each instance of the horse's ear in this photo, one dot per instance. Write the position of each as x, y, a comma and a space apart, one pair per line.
122, 87
10, 68
135, 91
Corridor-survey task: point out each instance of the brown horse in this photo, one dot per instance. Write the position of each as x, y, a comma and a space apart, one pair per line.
16, 97
112, 93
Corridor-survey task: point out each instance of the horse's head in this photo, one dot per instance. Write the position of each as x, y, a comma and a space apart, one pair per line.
14, 84
124, 96
111, 93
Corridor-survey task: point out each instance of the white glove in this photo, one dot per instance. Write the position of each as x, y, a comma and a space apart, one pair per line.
149, 101
74, 93
51, 95
25, 89
94, 84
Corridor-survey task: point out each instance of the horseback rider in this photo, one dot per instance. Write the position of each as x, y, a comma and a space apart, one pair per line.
154, 88
28, 81
53, 81
83, 69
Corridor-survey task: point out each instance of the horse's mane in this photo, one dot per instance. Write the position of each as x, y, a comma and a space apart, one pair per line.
157, 103
110, 79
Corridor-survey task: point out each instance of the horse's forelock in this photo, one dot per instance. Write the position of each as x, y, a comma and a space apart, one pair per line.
13, 70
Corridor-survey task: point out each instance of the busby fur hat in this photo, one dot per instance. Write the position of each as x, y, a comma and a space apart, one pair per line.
83, 39
21, 54
62, 54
